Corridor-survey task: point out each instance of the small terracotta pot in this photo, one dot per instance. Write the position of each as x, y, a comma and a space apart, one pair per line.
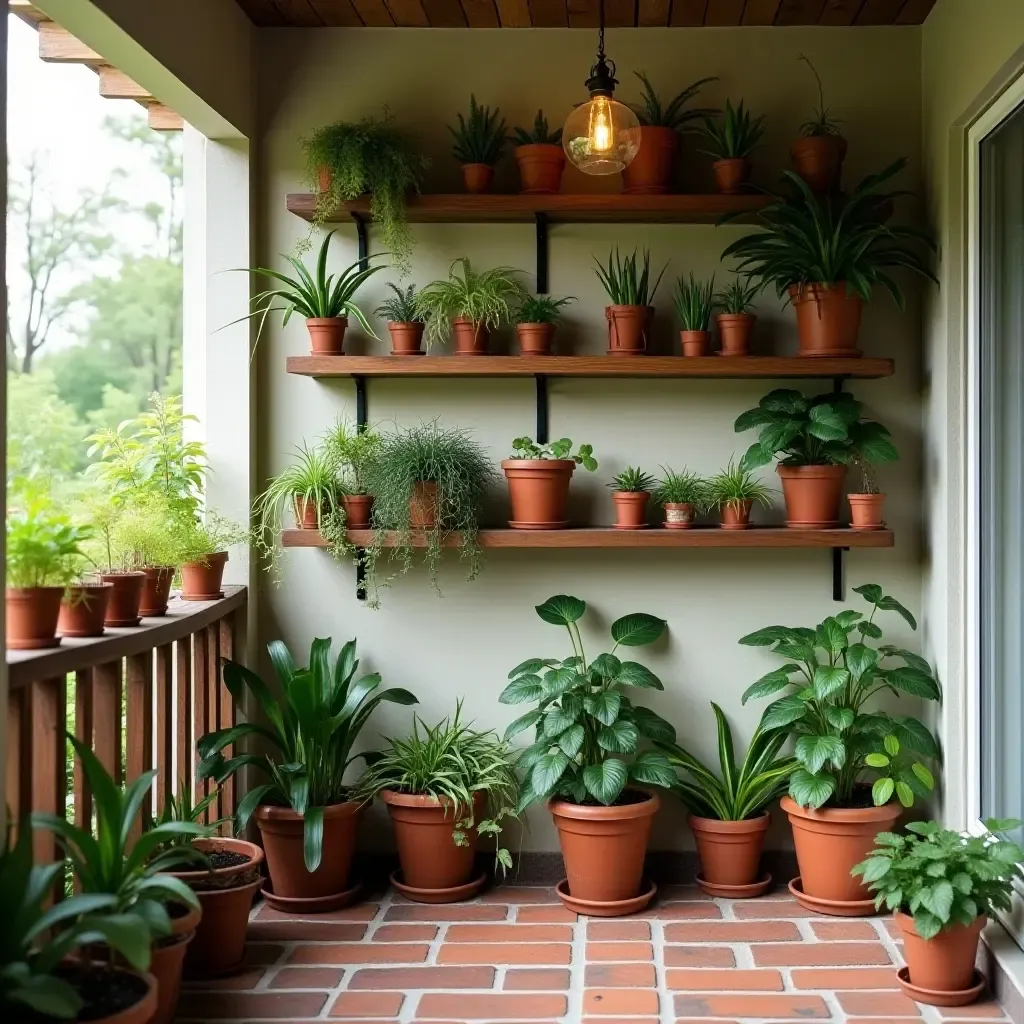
156, 590
83, 610
471, 339
628, 329
282, 829
324, 178
423, 505
306, 513
818, 159
813, 495
358, 508
125, 597
540, 167
477, 177
680, 515
695, 343
734, 332
535, 339
866, 511
630, 509
166, 963
650, 171
201, 581
538, 490
736, 514
729, 851
944, 963
731, 174
31, 617
827, 320
327, 335
406, 338
604, 847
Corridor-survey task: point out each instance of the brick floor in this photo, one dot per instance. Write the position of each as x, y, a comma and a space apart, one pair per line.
516, 956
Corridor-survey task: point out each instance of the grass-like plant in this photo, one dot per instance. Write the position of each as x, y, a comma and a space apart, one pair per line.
480, 136
182, 806
632, 480
735, 484
44, 548
652, 112
527, 448
625, 281
822, 123
734, 134
682, 488
403, 307
542, 309
353, 450
695, 302
539, 134
199, 538
737, 297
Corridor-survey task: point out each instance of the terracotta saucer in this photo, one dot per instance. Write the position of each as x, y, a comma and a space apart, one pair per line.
936, 998
538, 526
833, 908
315, 905
644, 527
617, 908
453, 895
736, 892
124, 623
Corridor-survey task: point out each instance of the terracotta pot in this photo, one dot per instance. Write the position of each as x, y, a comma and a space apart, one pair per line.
166, 962
540, 167
471, 339
31, 617
650, 171
831, 841
818, 159
944, 963
734, 332
306, 513
281, 830
324, 178
604, 847
358, 508
140, 1012
125, 597
812, 495
156, 590
327, 335
680, 515
423, 505
628, 329
423, 834
731, 174
201, 581
729, 851
406, 338
477, 177
736, 514
539, 492
630, 509
827, 320
866, 511
535, 339
83, 610
695, 343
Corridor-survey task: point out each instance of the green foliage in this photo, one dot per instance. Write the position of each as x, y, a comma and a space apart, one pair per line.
632, 480
309, 734
587, 731
942, 877
694, 302
734, 135
542, 309
624, 283
140, 533
527, 448
353, 450
831, 676
540, 134
403, 307
733, 484
821, 124
736, 793
43, 547
198, 538
651, 111
182, 807
682, 488
480, 137
737, 297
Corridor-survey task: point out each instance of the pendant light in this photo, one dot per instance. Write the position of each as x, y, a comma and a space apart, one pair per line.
602, 135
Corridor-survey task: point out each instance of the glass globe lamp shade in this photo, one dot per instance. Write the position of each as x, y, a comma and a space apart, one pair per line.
601, 136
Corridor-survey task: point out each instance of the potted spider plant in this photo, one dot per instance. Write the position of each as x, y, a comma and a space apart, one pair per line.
538, 481
650, 171
405, 319
479, 139
735, 321
695, 302
631, 491
819, 152
729, 812
683, 496
731, 138
733, 492
540, 157
308, 488
631, 313
537, 319
471, 302
353, 451
867, 506
445, 787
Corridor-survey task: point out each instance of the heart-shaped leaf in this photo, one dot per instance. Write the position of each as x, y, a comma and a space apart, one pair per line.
561, 610
605, 781
638, 629
620, 737
632, 673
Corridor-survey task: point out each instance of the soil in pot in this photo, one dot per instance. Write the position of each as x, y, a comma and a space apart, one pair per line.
650, 171
813, 495
201, 581
536, 339
818, 159
695, 343
327, 335
423, 505
406, 338
731, 175
125, 597
827, 320
306, 514
31, 617
734, 332
471, 339
83, 610
944, 963
866, 511
538, 490
736, 514
628, 329
680, 515
358, 508
156, 590
729, 851
631, 510
540, 167
477, 177
111, 995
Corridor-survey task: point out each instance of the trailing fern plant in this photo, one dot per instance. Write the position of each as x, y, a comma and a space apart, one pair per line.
625, 282
480, 136
652, 112
539, 134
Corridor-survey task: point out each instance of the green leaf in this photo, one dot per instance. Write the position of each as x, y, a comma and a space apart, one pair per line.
875, 868
606, 665
829, 680
620, 738
632, 673
939, 899
561, 610
871, 592
911, 680
572, 740
840, 718
814, 751
528, 687
530, 667
905, 794
637, 630
870, 629
547, 772
891, 744
652, 725
923, 774
652, 768
811, 790
560, 680
313, 837
784, 712
860, 659
605, 781
831, 636
876, 759
558, 719
890, 604
770, 635
523, 722
604, 706
770, 683
881, 792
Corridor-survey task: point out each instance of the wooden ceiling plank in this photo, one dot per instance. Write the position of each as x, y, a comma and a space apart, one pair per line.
58, 46
549, 13
263, 13
408, 13
688, 13
760, 12
724, 12
620, 13
300, 13
22, 9
163, 119
332, 13
914, 12
480, 13
444, 13
799, 12
116, 85
840, 12
583, 13
514, 13
653, 13
879, 12
373, 13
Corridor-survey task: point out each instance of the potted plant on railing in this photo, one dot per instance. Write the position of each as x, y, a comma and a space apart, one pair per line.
445, 787
538, 481
817, 438
695, 302
631, 491
941, 886
650, 171
585, 761
733, 492
734, 319
353, 450
405, 319
306, 813
831, 675
731, 139
539, 156
867, 506
683, 496
83, 609
729, 814
479, 140
537, 319
205, 547
819, 152
630, 315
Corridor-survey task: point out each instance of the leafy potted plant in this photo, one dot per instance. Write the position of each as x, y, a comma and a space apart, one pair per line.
631, 312
405, 319
474, 303
650, 171
731, 139
830, 675
941, 886
539, 156
729, 812
735, 321
538, 481
683, 496
817, 438
84, 607
631, 490
204, 546
867, 506
537, 318
694, 301
306, 813
585, 760
353, 451
733, 492
479, 140
819, 152
445, 786
114, 550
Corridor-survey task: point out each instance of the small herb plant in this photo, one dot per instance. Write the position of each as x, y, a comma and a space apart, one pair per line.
44, 548
480, 136
737, 297
734, 134
694, 302
735, 484
587, 731
539, 134
650, 111
199, 538
527, 448
821, 123
542, 309
632, 480
833, 675
941, 877
682, 488
625, 282
402, 307
352, 451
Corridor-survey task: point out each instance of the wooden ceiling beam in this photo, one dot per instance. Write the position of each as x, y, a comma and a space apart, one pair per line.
116, 85
163, 119
58, 46
24, 10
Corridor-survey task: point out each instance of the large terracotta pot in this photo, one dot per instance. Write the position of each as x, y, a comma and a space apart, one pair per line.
813, 495
729, 851
818, 159
680, 515
731, 174
477, 177
282, 832
166, 962
471, 339
866, 511
650, 171
630, 509
535, 339
156, 590
539, 492
125, 597
827, 320
358, 509
736, 514
201, 581
695, 343
327, 335
83, 610
406, 338
944, 963
734, 332
628, 329
540, 167
423, 505
31, 617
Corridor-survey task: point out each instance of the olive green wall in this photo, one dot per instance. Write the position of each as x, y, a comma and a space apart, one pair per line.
464, 644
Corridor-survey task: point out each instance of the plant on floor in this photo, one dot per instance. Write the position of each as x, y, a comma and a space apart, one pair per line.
737, 297
736, 484
734, 134
403, 307
834, 675
480, 136
822, 123
527, 448
542, 309
652, 112
539, 135
682, 488
632, 480
694, 302
43, 547
625, 284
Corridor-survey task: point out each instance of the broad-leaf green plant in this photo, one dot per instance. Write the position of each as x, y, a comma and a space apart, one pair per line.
625, 281
694, 302
734, 134
480, 136
527, 448
43, 547
652, 112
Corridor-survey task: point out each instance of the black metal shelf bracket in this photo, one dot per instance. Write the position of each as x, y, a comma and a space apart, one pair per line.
363, 241
541, 220
838, 574
362, 420
542, 408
